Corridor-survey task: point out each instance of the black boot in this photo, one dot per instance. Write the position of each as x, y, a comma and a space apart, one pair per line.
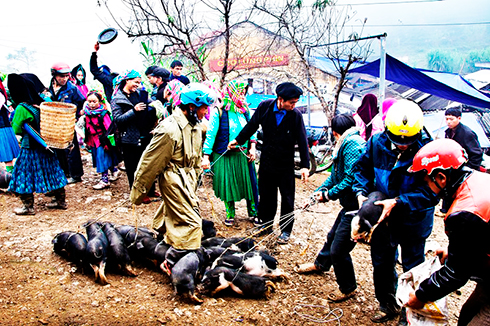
28, 202
59, 200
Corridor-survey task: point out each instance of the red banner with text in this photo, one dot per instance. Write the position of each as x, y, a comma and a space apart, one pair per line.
263, 61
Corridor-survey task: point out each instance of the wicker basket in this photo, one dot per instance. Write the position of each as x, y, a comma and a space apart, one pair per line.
58, 123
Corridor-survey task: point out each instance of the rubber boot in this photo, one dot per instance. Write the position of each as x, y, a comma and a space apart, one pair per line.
59, 200
28, 202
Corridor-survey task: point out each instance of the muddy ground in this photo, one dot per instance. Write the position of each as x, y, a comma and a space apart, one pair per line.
39, 287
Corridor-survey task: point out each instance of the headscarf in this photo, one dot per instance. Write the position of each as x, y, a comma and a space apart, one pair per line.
232, 101
38, 85
103, 104
175, 88
367, 111
74, 73
386, 105
128, 74
22, 90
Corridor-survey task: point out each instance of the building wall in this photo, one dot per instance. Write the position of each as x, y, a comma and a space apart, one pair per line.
251, 46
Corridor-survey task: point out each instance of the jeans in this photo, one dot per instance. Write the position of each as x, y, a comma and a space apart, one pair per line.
383, 256
336, 252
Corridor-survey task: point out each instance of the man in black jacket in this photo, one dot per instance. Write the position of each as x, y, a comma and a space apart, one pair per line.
464, 136
282, 127
467, 227
103, 74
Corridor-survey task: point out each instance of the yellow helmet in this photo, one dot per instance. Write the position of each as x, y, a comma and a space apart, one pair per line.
403, 122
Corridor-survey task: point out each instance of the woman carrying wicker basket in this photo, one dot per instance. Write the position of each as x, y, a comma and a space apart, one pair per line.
36, 168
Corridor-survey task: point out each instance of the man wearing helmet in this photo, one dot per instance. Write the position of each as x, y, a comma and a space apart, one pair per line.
408, 213
174, 155
467, 227
62, 90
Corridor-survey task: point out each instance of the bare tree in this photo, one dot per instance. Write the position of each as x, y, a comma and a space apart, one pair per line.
21, 60
317, 30
177, 27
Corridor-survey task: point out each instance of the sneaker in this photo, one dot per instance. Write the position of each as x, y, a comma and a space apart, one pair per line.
382, 316
307, 268
337, 296
229, 221
146, 200
101, 185
114, 175
256, 221
283, 238
71, 180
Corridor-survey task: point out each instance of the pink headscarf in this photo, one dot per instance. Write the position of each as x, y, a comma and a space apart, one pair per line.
387, 103
219, 96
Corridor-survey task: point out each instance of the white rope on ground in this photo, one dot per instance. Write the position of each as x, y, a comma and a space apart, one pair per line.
317, 319
110, 211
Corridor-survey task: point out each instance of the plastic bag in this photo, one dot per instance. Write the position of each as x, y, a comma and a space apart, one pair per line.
433, 313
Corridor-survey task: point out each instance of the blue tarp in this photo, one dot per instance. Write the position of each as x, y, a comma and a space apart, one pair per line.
445, 85
254, 100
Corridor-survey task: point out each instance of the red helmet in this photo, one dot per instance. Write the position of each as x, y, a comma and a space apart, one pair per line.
60, 68
439, 154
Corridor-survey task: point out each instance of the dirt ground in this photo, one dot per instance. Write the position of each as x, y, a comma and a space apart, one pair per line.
39, 287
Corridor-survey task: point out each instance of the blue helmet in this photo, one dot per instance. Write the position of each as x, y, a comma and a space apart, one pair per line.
197, 94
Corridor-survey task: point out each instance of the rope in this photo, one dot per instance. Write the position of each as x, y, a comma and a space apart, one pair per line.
317, 319
103, 215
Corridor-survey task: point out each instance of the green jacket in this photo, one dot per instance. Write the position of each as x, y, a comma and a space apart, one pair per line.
174, 155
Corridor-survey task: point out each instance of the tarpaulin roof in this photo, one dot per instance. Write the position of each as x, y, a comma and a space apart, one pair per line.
254, 100
449, 86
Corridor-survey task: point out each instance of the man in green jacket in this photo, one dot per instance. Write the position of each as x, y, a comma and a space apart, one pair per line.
174, 155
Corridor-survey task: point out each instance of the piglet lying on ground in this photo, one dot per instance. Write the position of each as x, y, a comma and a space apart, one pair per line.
257, 263
96, 253
71, 246
221, 278
239, 243
117, 253
187, 272
363, 224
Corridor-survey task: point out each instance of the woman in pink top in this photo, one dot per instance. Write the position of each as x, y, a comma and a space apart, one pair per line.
367, 117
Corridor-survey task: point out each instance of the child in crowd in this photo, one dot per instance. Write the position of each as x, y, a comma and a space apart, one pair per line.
97, 121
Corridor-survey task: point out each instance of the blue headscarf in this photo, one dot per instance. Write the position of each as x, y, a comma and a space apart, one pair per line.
128, 74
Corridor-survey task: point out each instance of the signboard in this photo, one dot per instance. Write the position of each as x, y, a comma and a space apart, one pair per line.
260, 61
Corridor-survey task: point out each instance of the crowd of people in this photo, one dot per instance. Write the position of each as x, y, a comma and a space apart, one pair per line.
161, 140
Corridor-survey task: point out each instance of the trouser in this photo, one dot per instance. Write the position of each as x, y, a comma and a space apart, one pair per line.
336, 252
476, 310
269, 182
71, 160
132, 155
383, 256
230, 209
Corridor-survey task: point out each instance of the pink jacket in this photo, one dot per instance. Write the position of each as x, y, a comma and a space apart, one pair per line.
93, 130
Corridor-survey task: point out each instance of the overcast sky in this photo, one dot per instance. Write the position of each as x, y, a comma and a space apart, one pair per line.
66, 30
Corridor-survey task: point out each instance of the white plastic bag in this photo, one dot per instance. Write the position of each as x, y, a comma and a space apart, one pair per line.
433, 313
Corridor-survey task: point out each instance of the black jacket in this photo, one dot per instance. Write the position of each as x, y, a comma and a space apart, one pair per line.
104, 78
467, 227
132, 124
468, 139
278, 148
